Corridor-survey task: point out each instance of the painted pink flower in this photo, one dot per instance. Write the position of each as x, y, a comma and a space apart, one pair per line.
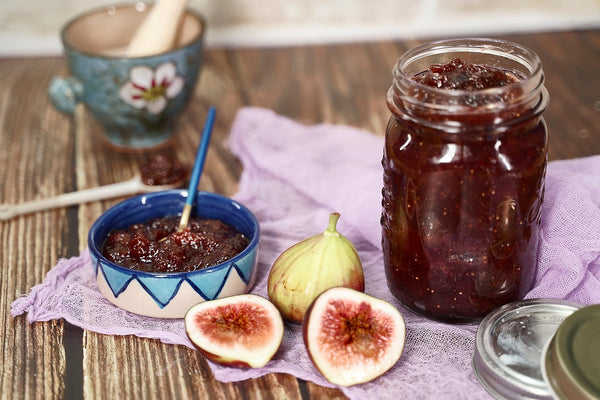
151, 89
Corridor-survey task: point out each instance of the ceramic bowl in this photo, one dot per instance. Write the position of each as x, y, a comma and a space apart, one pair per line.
170, 295
138, 100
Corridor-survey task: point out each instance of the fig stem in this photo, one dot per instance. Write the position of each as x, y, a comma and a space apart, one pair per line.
331, 229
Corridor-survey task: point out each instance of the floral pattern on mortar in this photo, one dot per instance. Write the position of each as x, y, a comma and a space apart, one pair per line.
151, 89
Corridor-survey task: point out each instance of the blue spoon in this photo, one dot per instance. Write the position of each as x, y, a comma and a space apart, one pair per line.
198, 166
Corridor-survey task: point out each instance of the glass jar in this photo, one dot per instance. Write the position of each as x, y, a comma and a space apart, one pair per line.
464, 175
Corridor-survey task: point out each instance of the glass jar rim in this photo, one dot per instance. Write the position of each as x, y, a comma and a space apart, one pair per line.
498, 107
519, 54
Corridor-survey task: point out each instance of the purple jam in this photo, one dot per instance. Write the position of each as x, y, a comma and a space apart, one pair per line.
462, 75
462, 201
161, 169
156, 246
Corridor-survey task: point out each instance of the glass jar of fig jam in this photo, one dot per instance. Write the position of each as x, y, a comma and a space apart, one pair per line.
464, 167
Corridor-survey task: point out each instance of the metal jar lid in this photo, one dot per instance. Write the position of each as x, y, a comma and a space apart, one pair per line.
509, 346
571, 360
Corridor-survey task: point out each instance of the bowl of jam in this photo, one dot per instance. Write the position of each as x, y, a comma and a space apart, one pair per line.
145, 265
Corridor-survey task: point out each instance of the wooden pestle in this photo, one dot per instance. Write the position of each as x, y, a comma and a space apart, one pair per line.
159, 29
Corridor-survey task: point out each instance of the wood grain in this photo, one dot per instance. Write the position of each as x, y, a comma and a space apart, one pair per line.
44, 153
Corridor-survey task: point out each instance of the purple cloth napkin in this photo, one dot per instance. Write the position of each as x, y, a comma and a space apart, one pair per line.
294, 176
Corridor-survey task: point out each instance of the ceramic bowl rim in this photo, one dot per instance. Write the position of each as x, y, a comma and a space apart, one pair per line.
97, 253
100, 9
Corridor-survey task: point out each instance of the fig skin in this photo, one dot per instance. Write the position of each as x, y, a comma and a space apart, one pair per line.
352, 337
238, 331
309, 267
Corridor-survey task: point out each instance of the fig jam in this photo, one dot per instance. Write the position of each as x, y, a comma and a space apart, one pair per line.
464, 167
156, 246
161, 169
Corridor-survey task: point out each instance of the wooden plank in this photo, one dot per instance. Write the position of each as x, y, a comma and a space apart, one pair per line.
36, 157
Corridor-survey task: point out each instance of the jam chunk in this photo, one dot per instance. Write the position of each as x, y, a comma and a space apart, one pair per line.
462, 75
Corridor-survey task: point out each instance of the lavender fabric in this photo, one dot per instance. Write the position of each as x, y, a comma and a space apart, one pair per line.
294, 176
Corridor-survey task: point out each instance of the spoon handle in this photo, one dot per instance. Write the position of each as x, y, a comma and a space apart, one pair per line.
134, 185
198, 167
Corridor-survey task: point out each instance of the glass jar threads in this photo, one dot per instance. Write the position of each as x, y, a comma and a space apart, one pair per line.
464, 166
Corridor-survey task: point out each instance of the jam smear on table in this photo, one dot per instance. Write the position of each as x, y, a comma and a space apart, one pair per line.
161, 169
461, 208
156, 246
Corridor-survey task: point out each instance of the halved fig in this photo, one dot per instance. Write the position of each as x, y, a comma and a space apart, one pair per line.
242, 331
352, 337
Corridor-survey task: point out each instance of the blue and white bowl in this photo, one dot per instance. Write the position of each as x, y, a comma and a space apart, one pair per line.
137, 99
170, 295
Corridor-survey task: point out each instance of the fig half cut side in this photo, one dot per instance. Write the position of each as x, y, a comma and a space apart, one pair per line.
241, 331
352, 337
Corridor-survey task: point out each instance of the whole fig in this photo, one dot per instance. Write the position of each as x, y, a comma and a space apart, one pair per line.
309, 267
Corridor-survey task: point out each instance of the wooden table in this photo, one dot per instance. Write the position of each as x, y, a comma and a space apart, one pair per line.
42, 154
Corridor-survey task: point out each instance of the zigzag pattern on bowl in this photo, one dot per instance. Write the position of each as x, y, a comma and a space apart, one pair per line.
163, 288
